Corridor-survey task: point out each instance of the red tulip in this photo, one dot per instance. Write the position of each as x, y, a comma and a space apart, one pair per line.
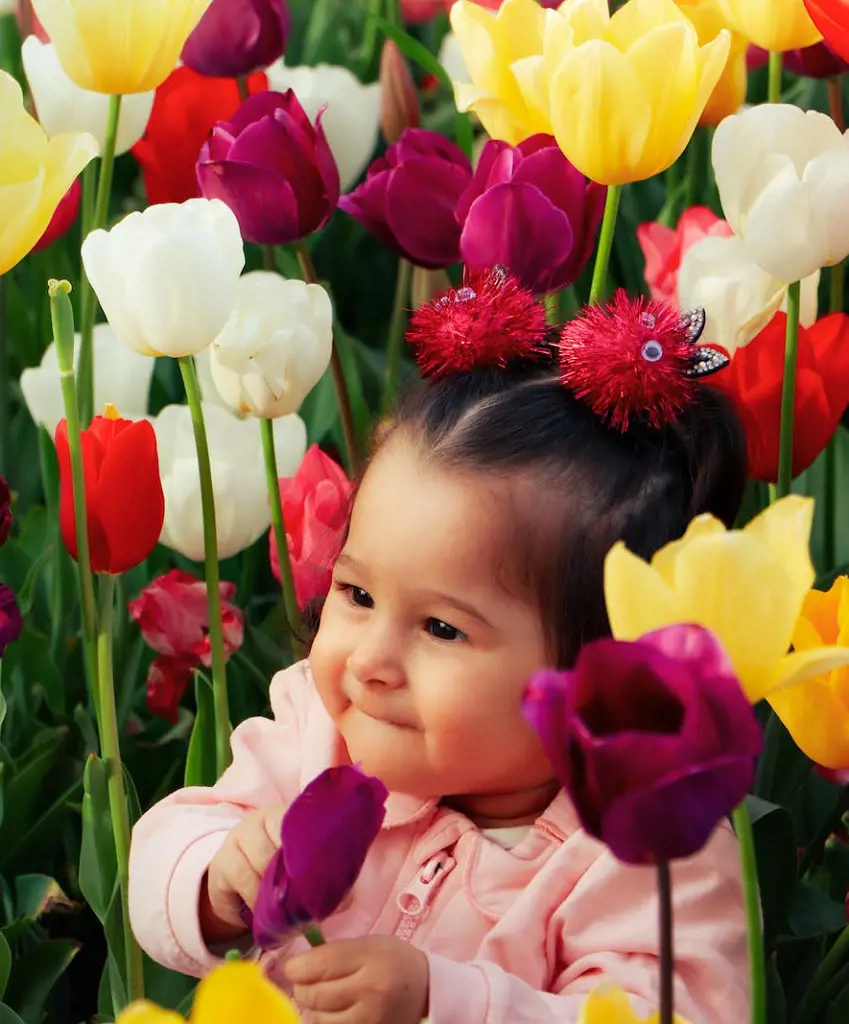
167, 681
186, 107
124, 499
831, 17
316, 501
753, 381
63, 219
664, 248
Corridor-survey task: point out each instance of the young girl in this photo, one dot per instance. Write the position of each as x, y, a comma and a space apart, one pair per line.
474, 556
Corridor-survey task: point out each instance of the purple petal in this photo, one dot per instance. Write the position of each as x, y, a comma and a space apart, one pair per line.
420, 201
367, 204
261, 199
11, 621
235, 37
416, 142
496, 165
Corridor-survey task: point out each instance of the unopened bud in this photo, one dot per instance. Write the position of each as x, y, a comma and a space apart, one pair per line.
399, 101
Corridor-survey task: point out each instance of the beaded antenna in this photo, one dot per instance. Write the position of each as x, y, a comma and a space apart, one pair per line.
635, 358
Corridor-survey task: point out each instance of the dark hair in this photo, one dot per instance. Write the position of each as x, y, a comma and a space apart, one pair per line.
576, 485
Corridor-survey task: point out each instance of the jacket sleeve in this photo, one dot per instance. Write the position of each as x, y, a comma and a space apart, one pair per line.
605, 932
175, 841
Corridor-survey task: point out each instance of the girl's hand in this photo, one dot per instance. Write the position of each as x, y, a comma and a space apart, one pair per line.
233, 878
375, 980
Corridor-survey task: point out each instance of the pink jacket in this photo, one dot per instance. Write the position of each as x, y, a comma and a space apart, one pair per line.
511, 936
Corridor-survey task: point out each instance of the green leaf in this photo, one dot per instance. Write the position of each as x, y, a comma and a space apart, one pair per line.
37, 837
35, 974
32, 656
8, 1015
200, 762
2, 698
5, 964
814, 913
775, 846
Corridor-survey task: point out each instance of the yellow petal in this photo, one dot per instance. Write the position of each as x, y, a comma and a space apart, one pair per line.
785, 529
772, 24
817, 719
587, 19
638, 598
800, 666
701, 526
638, 18
607, 1006
144, 1012
240, 991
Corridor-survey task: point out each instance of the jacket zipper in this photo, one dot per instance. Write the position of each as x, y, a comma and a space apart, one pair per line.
416, 898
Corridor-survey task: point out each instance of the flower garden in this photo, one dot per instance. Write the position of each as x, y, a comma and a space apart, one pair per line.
217, 222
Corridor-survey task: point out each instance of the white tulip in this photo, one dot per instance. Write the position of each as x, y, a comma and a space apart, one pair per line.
275, 346
238, 478
8, 6
352, 117
783, 178
739, 297
63, 106
121, 377
166, 277
452, 59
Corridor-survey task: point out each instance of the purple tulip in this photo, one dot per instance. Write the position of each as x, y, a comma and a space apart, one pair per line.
273, 168
11, 622
409, 197
5, 511
817, 61
528, 209
325, 836
236, 37
654, 741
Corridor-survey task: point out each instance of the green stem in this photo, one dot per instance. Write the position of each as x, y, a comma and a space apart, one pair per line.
98, 220
313, 935
62, 317
346, 412
774, 81
244, 90
667, 958
835, 102
269, 260
832, 963
278, 528
788, 392
397, 326
836, 282
757, 963
210, 549
605, 244
110, 747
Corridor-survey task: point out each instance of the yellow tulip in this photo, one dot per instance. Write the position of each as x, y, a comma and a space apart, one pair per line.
35, 173
237, 991
491, 43
816, 713
119, 46
748, 586
606, 1005
729, 94
772, 24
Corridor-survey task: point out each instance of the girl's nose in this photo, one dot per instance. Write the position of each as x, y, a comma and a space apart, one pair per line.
377, 658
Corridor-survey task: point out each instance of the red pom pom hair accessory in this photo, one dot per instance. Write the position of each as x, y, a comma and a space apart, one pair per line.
636, 359
490, 322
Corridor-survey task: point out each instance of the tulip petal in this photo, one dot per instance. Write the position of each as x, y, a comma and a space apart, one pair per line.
799, 666
143, 1012
702, 526
426, 232
239, 991
638, 599
817, 719
784, 528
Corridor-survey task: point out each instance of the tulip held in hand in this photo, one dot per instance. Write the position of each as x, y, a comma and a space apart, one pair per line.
166, 278
235, 37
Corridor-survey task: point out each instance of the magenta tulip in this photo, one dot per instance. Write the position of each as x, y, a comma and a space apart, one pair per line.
654, 741
409, 197
817, 61
273, 167
236, 37
528, 209
11, 621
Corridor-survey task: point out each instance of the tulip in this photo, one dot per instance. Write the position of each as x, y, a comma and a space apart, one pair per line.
124, 500
11, 620
325, 836
235, 37
783, 179
399, 101
664, 248
605, 1005
185, 110
350, 111
316, 506
528, 209
719, 276
746, 586
772, 24
754, 380
417, 12
729, 93
409, 197
829, 16
121, 376
63, 218
166, 278
816, 713
275, 347
273, 168
119, 48
230, 992
817, 61
35, 173
240, 495
451, 58
5, 511
63, 106
167, 681
670, 703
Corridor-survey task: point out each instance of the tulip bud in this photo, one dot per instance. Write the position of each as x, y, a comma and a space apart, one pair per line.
235, 37
62, 315
399, 102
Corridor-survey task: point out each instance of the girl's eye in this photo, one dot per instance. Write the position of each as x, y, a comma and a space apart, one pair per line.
361, 598
440, 630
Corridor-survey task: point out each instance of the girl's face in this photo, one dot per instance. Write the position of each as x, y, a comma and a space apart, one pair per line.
423, 653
